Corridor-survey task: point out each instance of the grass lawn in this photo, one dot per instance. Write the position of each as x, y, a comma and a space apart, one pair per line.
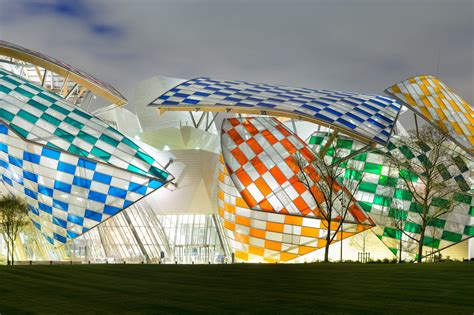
443, 288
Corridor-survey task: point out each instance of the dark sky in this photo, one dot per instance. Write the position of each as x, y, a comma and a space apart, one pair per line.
362, 46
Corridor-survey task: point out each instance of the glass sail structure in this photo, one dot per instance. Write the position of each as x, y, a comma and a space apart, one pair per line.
74, 170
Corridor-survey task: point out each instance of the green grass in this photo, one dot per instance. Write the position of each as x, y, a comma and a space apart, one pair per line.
443, 288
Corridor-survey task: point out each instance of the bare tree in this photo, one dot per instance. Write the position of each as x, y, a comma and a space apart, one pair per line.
331, 191
13, 217
425, 157
398, 218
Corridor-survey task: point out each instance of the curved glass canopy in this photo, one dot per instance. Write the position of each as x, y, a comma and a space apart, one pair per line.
67, 80
367, 117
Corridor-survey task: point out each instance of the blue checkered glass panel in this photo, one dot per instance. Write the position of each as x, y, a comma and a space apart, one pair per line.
371, 116
66, 194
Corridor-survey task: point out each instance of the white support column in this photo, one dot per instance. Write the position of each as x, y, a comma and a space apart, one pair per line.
470, 248
401, 129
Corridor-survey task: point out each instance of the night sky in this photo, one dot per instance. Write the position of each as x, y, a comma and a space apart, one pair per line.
361, 46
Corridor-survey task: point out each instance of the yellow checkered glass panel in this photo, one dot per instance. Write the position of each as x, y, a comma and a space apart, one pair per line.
437, 103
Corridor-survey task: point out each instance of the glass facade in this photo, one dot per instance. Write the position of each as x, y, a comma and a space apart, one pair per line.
137, 236
92, 190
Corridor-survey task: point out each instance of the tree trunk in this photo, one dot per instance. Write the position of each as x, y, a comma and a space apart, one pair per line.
400, 248
8, 249
13, 253
326, 252
8, 253
341, 241
420, 244
328, 242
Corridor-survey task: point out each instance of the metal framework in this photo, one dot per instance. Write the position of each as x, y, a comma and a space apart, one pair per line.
57, 76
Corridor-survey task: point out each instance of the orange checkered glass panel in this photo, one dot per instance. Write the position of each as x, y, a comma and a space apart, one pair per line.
258, 153
259, 236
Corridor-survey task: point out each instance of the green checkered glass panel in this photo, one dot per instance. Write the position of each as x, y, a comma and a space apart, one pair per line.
381, 194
